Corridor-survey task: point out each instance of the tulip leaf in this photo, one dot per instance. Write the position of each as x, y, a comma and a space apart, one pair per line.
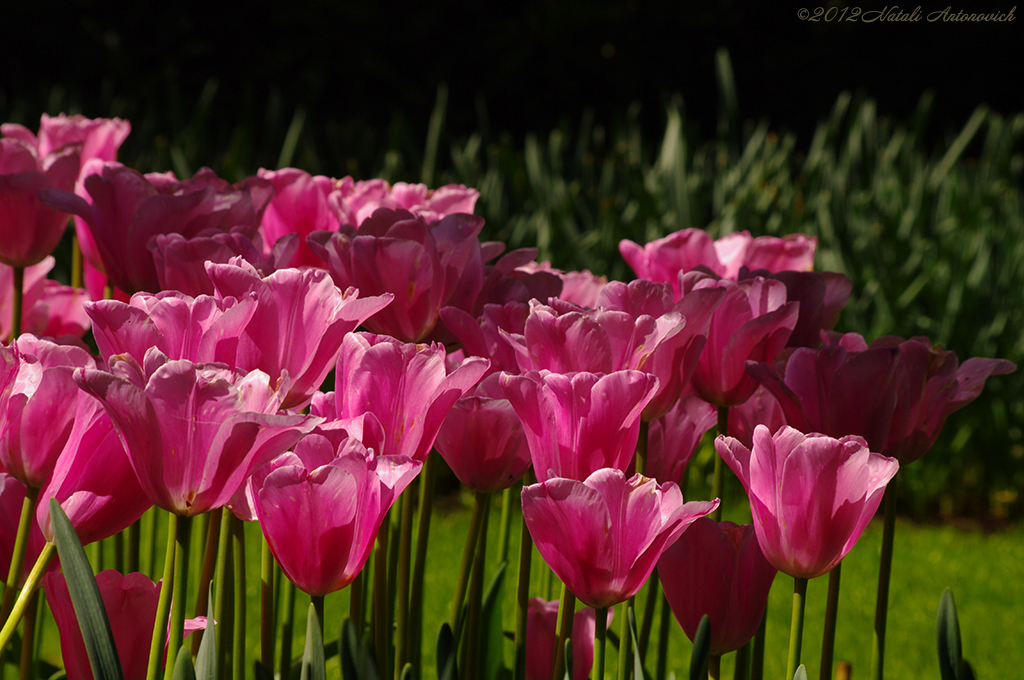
568, 658
183, 668
638, 662
356, 659
85, 596
406, 672
206, 657
952, 665
260, 672
314, 666
446, 652
493, 636
701, 649
801, 673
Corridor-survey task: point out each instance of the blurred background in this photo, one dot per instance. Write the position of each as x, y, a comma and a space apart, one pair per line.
897, 143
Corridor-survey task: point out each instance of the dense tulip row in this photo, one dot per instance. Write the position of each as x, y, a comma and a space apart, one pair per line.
228, 306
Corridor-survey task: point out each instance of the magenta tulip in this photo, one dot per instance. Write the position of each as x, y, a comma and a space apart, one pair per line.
822, 296
194, 432
482, 439
578, 423
406, 386
542, 636
753, 323
353, 202
300, 207
603, 536
321, 513
811, 496
717, 569
98, 138
578, 287
762, 408
49, 308
673, 438
130, 602
485, 336
298, 325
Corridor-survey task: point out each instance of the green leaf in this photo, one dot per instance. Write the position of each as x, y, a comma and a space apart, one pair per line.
356, 659
948, 632
701, 649
568, 658
638, 662
493, 637
314, 666
446, 653
183, 668
85, 596
206, 658
801, 673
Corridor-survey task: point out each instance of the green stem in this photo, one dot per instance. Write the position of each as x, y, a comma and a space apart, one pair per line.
355, 602
757, 657
522, 601
318, 606
182, 527
212, 533
380, 599
156, 646
119, 552
828, 640
600, 638
665, 629
131, 563
426, 507
224, 606
24, 597
566, 614
478, 516
506, 525
77, 266
287, 630
714, 666
28, 509
653, 593
26, 670
718, 484
238, 661
476, 590
405, 502
641, 447
884, 575
268, 622
625, 643
796, 631
741, 671
17, 301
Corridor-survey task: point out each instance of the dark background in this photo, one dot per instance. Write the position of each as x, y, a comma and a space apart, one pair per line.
367, 69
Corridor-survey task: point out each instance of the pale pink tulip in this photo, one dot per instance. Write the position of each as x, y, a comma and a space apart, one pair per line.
811, 496
603, 536
578, 423
717, 569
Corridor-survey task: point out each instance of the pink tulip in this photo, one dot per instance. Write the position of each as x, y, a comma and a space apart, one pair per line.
485, 336
49, 309
578, 423
930, 385
762, 408
201, 329
513, 279
29, 227
822, 296
194, 432
299, 207
426, 266
41, 410
753, 323
542, 636
664, 259
603, 536
129, 210
580, 288
835, 391
674, 359
299, 322
99, 137
674, 437
407, 387
130, 602
93, 479
811, 496
321, 513
482, 439
12, 499
353, 202
717, 569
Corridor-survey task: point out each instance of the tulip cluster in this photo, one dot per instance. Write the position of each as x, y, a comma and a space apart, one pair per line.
228, 307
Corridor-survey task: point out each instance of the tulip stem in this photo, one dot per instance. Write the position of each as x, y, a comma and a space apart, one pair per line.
238, 663
77, 266
566, 614
156, 646
476, 590
741, 671
666, 627
268, 620
17, 301
641, 447
757, 660
402, 594
225, 604
477, 518
506, 525
181, 530
884, 574
380, 598
318, 607
287, 629
653, 592
522, 600
714, 666
828, 640
212, 523
355, 603
625, 643
28, 638
31, 584
796, 631
718, 482
28, 509
131, 564
426, 507
600, 638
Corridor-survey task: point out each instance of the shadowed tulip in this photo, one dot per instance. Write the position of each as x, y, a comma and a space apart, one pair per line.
717, 569
194, 432
353, 202
98, 137
130, 602
753, 323
578, 287
298, 325
542, 636
485, 336
406, 386
49, 308
321, 513
811, 496
578, 423
760, 409
822, 296
603, 536
673, 438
